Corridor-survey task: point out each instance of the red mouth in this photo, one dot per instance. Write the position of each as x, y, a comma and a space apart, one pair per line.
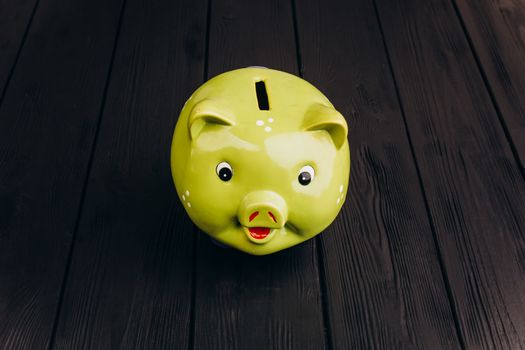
259, 232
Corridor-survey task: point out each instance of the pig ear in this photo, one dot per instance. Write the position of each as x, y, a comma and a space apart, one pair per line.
207, 112
321, 117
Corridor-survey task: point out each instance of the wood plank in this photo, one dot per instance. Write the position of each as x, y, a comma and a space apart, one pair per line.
383, 276
48, 121
496, 31
15, 18
471, 179
130, 281
254, 302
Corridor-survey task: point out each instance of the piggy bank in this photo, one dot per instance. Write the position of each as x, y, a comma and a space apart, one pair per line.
260, 160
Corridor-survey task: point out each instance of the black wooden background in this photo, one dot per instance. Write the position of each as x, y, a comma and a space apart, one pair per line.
96, 252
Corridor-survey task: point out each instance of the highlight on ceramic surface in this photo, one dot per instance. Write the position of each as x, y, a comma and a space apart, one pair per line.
260, 160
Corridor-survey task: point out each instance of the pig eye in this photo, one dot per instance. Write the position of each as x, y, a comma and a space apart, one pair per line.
224, 171
306, 175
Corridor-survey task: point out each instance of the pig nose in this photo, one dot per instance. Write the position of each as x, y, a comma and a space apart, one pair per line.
263, 209
255, 213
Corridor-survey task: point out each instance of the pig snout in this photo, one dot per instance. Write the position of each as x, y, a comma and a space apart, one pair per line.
263, 209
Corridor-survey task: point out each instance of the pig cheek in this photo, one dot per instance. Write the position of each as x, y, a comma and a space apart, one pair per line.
213, 204
303, 214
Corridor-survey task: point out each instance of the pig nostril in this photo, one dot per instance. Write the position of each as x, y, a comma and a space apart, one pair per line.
253, 215
272, 216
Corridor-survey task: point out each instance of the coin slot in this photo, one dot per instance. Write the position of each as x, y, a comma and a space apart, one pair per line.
262, 96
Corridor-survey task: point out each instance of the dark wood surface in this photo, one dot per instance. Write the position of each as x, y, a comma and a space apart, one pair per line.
48, 123
474, 189
130, 277
15, 19
96, 251
496, 33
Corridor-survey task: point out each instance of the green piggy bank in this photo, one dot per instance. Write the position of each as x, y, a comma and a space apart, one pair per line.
260, 160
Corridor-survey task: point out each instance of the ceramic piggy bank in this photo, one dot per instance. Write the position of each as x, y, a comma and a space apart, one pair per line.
260, 160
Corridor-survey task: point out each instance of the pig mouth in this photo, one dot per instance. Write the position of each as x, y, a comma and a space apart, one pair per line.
259, 234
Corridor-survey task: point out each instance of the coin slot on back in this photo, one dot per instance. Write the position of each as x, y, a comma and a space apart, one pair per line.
262, 96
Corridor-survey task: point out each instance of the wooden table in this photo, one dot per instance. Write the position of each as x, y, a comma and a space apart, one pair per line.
428, 252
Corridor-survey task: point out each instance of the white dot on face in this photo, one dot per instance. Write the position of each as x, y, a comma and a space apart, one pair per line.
187, 193
341, 188
189, 204
267, 129
270, 120
338, 200
259, 122
183, 197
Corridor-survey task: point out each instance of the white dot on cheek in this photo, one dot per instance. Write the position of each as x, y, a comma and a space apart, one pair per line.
338, 200
267, 129
270, 120
183, 197
187, 193
341, 188
189, 205
259, 122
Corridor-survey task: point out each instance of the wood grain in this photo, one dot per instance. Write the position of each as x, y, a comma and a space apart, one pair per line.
47, 125
496, 30
254, 302
97, 252
472, 181
383, 277
130, 281
15, 18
